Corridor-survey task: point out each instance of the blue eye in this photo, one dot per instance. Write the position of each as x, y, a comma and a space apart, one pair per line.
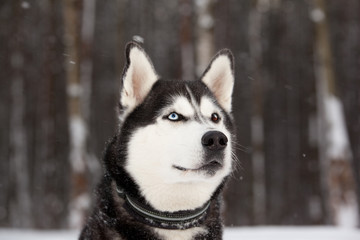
173, 116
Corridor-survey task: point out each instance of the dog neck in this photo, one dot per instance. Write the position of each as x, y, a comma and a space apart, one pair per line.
144, 213
178, 196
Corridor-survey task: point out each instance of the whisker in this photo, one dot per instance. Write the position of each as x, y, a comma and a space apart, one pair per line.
240, 147
236, 165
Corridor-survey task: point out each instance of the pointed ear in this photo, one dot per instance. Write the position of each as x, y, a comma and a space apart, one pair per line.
137, 79
219, 77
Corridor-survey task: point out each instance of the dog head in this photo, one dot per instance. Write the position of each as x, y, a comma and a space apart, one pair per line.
175, 140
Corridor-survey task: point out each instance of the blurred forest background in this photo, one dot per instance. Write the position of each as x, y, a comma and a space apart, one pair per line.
296, 101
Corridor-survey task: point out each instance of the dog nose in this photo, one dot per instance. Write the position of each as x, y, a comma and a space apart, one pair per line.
214, 140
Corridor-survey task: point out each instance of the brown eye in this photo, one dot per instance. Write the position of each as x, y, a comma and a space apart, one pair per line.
215, 117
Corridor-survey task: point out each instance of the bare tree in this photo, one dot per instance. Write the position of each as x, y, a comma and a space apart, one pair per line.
293, 193
187, 39
343, 38
231, 31
106, 54
5, 108
19, 164
257, 118
79, 199
205, 47
46, 115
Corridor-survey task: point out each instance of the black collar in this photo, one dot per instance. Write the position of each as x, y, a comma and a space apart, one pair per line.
167, 220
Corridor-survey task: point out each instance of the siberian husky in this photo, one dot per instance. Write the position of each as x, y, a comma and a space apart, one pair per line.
168, 162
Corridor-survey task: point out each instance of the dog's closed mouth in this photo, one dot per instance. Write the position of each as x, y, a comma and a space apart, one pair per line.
181, 168
211, 166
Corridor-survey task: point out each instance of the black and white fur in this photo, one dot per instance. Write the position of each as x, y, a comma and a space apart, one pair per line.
160, 158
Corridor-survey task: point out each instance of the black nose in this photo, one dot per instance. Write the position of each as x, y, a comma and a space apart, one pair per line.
214, 140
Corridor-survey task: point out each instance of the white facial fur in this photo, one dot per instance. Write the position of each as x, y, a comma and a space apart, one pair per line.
155, 149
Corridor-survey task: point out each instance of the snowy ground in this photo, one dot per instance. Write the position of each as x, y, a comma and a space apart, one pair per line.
293, 233
246, 233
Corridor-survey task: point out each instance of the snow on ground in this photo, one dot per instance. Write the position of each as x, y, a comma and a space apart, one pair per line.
16, 234
245, 233
293, 233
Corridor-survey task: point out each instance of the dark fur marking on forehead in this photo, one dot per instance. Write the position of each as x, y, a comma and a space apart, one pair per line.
198, 90
195, 105
193, 91
164, 91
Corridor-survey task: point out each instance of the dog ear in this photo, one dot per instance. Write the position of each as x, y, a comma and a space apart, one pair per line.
219, 77
138, 77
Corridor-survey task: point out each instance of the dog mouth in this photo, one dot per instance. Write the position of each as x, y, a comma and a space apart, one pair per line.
210, 167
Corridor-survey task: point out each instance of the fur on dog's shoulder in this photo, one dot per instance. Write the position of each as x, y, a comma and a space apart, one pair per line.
169, 160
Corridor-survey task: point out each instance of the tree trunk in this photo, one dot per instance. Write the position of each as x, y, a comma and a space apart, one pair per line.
205, 48
105, 84
46, 115
344, 30
186, 11
257, 118
291, 160
231, 31
79, 199
6, 16
20, 201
